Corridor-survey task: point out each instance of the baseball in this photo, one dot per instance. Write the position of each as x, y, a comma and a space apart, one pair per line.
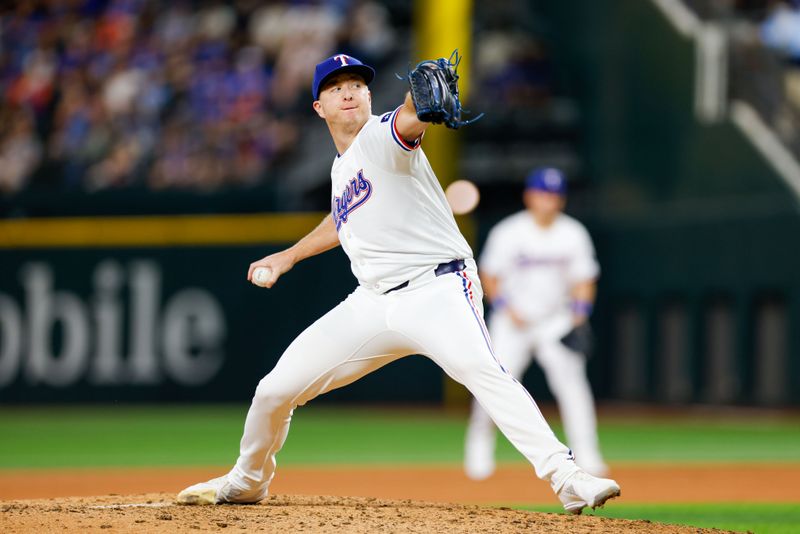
463, 196
261, 275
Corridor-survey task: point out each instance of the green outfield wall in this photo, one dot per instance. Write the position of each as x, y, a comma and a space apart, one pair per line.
696, 233
159, 309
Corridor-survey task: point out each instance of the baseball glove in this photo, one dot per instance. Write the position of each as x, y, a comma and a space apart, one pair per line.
434, 90
580, 339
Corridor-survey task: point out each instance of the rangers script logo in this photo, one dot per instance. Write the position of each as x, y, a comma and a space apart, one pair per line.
357, 192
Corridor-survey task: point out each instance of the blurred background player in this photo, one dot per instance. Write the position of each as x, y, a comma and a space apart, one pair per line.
538, 269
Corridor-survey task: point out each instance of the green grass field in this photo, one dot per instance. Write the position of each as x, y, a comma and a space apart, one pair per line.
124, 436
781, 518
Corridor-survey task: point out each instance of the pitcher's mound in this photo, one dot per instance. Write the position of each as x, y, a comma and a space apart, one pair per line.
295, 513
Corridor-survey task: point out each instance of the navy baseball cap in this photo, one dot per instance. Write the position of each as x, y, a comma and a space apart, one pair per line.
335, 65
548, 179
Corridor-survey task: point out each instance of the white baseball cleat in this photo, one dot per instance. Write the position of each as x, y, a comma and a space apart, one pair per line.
217, 491
479, 471
479, 465
582, 489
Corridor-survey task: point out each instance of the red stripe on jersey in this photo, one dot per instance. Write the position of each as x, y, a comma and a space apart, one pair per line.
399, 138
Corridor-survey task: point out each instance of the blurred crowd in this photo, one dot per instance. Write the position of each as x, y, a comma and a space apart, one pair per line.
511, 63
183, 94
781, 29
763, 38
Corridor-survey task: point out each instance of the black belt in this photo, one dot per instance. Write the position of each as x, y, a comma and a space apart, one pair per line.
442, 268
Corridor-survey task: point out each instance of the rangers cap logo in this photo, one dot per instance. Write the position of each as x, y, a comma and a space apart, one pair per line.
336, 64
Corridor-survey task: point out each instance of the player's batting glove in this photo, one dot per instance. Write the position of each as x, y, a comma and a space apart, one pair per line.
434, 91
580, 339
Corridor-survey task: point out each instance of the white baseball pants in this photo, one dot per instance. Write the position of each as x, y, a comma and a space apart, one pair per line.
565, 372
439, 317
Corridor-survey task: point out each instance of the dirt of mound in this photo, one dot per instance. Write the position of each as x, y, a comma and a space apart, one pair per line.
286, 513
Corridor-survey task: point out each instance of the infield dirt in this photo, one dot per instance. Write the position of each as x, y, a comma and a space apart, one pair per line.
369, 499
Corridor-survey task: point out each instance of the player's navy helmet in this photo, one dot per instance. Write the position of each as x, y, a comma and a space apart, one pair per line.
335, 65
547, 179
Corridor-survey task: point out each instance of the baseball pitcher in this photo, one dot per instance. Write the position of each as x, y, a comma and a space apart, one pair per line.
418, 289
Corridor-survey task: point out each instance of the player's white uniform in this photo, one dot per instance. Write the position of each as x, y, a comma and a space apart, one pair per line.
535, 268
395, 225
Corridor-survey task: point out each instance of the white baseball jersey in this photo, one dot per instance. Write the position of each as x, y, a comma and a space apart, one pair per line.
537, 266
393, 219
